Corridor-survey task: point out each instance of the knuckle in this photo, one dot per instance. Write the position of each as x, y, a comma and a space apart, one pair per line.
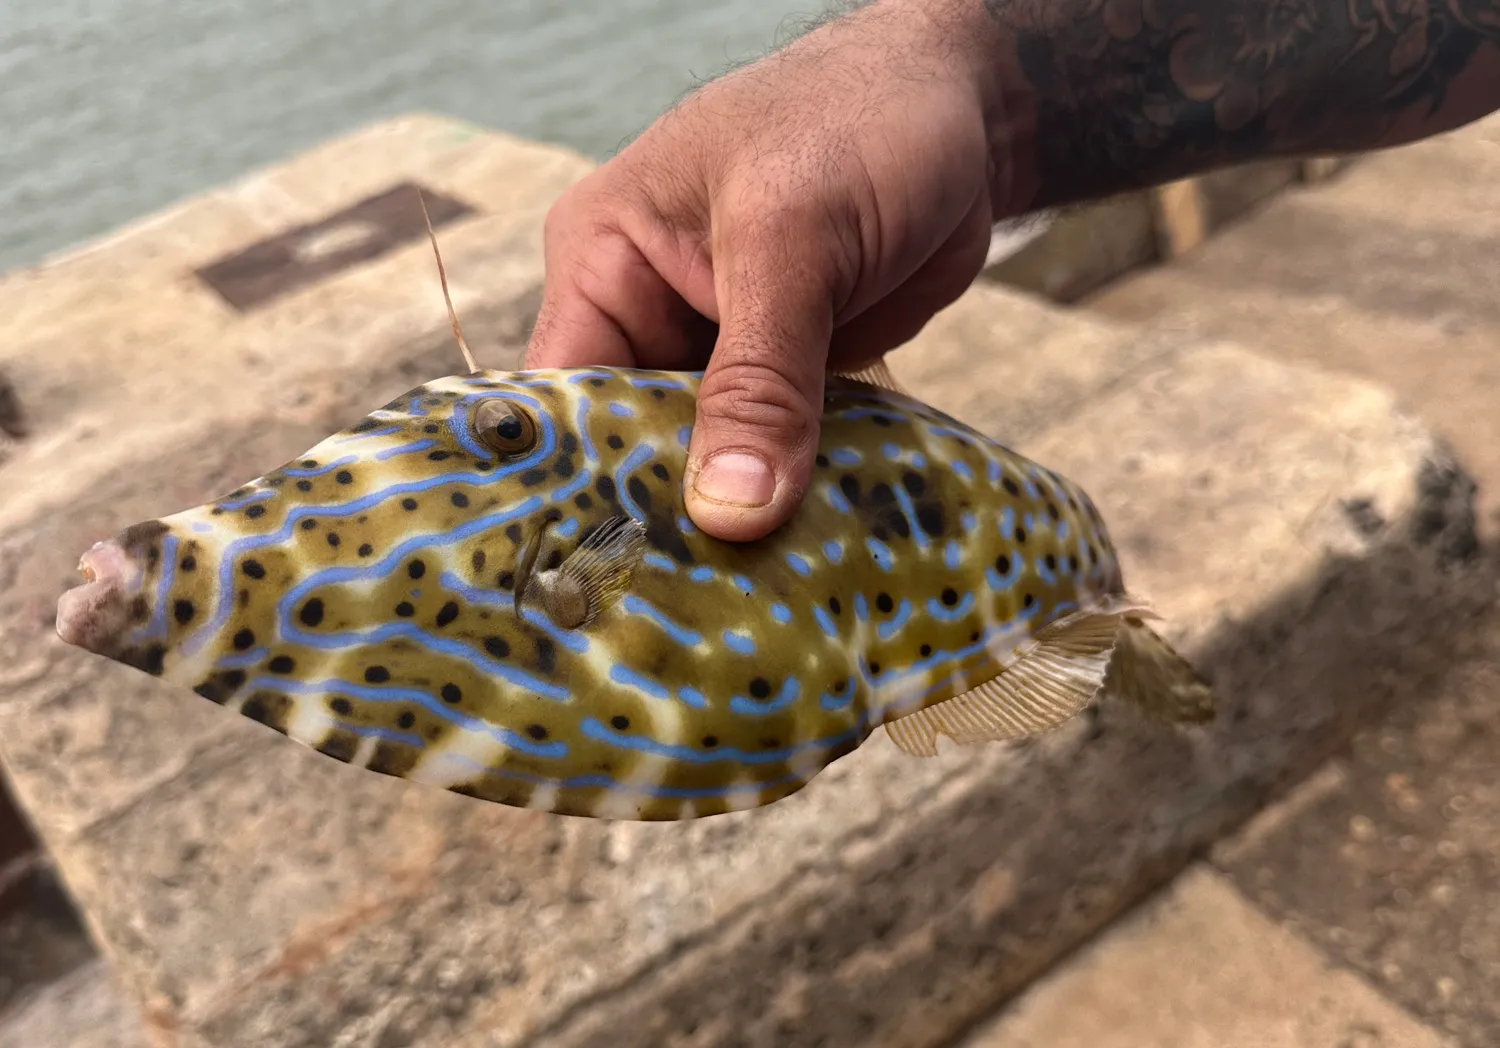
759, 401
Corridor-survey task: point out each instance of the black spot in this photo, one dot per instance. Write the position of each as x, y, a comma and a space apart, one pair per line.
1021, 535
638, 491
1052, 511
140, 610
365, 426
451, 695
973, 636
217, 511
914, 484
760, 688
925, 650
431, 427
569, 443
879, 533
536, 731
244, 639
343, 476
365, 549
834, 605
822, 460
219, 686
710, 741
605, 486
849, 485
154, 659
437, 456
312, 612
377, 675
183, 611
659, 471
497, 646
1093, 555
483, 465
884, 603
950, 596
614, 441
546, 654
309, 463
416, 569
658, 393
882, 495
563, 467
408, 504
188, 563
341, 706
597, 383
304, 485
459, 499
881, 420
308, 524
582, 500
477, 560
333, 538
243, 598
405, 610
1002, 564
1029, 601
255, 511
407, 719
874, 669
340, 745
505, 580
282, 664
256, 709
1051, 562
619, 722
532, 477
447, 613
1010, 487
841, 684
554, 559
513, 532
930, 517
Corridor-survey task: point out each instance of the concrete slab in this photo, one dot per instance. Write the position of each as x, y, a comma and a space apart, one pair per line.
1199, 967
1387, 271
255, 893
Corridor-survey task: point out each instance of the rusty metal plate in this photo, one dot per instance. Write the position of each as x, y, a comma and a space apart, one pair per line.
299, 257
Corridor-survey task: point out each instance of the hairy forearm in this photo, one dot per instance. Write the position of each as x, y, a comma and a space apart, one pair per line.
1099, 96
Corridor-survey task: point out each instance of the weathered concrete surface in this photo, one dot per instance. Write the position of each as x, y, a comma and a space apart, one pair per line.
1199, 967
255, 893
83, 1010
1388, 271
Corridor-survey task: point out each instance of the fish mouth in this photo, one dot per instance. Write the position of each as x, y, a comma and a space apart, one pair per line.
93, 616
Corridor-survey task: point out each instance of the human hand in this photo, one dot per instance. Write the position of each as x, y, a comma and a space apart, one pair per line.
813, 209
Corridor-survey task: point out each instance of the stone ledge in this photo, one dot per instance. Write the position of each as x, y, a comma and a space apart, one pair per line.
251, 892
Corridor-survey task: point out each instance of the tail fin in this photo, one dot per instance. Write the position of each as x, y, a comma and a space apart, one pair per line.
1148, 674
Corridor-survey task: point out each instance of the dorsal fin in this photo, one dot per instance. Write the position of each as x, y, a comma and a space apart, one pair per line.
875, 374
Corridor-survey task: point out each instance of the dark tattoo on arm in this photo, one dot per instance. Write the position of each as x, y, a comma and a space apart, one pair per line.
1135, 93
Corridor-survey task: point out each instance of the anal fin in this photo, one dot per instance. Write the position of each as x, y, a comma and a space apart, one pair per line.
1108, 650
1048, 685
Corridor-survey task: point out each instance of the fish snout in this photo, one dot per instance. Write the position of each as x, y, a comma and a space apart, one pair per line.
94, 615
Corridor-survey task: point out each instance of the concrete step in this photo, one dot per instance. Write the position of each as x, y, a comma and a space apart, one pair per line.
1387, 271
1309, 542
1385, 860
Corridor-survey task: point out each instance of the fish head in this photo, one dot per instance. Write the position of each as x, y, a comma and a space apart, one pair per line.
395, 544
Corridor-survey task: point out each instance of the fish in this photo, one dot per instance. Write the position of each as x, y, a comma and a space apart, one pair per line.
491, 585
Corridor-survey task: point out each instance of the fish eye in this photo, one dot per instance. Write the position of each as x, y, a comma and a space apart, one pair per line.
504, 427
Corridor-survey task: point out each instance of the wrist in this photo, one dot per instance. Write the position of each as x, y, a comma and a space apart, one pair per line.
980, 51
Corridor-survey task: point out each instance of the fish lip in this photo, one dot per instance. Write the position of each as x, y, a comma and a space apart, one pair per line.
92, 615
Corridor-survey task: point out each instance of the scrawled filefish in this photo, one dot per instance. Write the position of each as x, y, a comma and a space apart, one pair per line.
491, 585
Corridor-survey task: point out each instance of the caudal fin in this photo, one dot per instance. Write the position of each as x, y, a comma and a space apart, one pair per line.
1148, 674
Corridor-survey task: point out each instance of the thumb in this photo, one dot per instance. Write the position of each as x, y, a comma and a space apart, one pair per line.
759, 405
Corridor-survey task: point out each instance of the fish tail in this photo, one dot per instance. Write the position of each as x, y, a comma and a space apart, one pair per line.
1147, 673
